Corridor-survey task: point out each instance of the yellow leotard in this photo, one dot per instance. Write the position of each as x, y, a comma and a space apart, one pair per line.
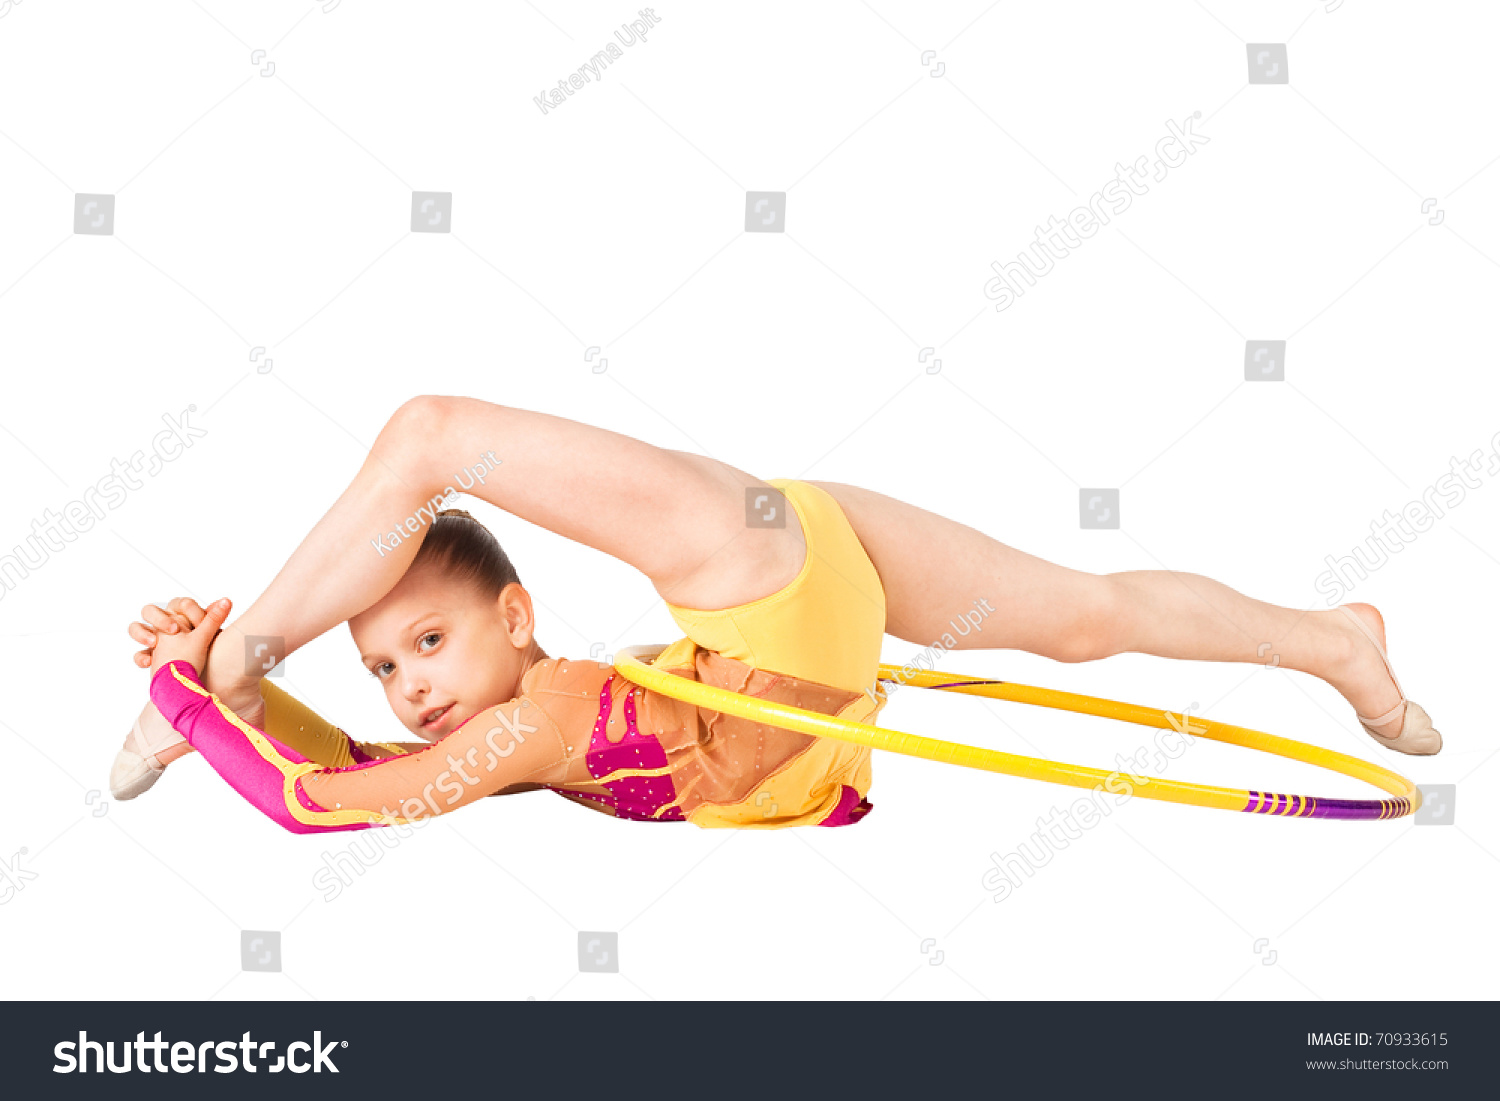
825, 626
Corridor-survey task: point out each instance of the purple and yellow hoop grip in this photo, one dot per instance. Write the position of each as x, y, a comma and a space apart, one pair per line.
630, 664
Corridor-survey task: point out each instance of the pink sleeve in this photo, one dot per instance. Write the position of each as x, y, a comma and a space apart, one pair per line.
266, 772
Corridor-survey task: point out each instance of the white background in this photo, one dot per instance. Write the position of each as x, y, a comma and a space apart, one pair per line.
274, 211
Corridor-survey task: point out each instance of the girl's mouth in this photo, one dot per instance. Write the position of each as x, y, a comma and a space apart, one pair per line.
432, 719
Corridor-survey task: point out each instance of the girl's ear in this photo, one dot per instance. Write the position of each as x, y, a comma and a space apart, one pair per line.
517, 612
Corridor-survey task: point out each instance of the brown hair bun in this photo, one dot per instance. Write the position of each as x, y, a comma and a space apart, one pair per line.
465, 550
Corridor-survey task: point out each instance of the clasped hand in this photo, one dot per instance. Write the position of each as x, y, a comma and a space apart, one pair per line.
182, 631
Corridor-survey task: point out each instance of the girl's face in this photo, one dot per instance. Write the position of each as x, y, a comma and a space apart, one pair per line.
443, 652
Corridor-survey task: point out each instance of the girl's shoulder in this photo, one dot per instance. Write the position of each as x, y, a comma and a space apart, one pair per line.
565, 677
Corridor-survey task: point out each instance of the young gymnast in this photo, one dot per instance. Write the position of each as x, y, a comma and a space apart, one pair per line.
792, 612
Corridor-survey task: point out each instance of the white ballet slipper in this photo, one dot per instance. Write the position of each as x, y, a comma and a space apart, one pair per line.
136, 767
1418, 736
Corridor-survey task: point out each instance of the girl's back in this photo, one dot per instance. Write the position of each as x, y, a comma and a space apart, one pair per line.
652, 757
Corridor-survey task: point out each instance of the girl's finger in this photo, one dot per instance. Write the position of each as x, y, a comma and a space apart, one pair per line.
143, 634
215, 615
160, 619
143, 658
188, 607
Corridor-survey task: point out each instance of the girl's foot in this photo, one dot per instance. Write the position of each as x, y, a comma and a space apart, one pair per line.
1365, 679
150, 746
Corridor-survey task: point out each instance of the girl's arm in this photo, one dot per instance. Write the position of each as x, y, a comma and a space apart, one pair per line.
513, 743
667, 513
297, 726
292, 723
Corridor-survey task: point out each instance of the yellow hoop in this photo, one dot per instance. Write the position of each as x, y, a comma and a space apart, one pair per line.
630, 664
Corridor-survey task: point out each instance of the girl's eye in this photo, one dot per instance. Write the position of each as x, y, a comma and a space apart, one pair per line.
384, 669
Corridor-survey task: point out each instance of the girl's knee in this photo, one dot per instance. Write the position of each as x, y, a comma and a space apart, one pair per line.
406, 441
1094, 627
420, 415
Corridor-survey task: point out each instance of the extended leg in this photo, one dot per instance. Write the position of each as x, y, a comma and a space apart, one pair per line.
1186, 615
934, 568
